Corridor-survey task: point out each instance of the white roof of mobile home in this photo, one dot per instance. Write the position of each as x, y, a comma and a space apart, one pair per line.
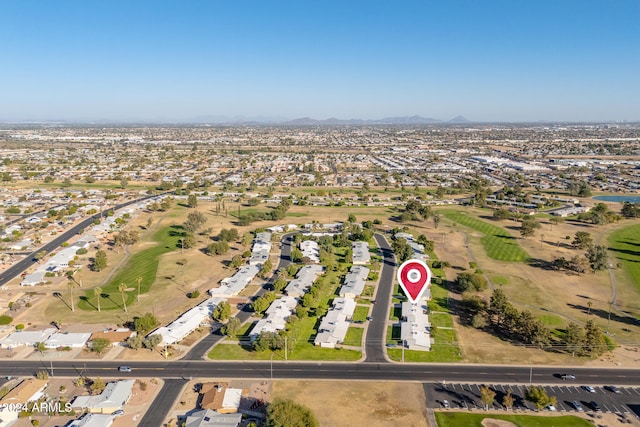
26, 338
414, 329
360, 253
115, 394
67, 339
354, 281
187, 322
236, 283
304, 279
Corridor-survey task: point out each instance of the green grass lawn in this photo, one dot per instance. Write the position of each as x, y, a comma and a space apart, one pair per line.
497, 242
360, 313
625, 243
457, 419
354, 336
142, 264
500, 280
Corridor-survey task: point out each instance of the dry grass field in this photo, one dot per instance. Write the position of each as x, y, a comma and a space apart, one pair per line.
358, 403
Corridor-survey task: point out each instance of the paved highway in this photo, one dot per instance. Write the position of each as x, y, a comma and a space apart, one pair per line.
482, 374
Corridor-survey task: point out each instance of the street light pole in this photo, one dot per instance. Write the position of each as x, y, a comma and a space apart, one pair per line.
272, 367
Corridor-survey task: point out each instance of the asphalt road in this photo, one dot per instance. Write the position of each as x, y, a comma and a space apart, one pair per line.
481, 374
376, 338
164, 401
28, 261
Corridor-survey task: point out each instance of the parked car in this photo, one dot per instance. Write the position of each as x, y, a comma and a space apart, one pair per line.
594, 405
124, 369
445, 404
568, 377
577, 405
589, 388
551, 408
118, 412
612, 389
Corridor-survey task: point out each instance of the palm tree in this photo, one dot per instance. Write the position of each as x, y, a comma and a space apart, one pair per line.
589, 304
139, 279
97, 292
71, 284
122, 288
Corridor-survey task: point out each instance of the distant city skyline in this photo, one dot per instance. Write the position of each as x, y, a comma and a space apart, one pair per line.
161, 61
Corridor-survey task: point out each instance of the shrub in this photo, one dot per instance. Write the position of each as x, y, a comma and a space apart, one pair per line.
5, 319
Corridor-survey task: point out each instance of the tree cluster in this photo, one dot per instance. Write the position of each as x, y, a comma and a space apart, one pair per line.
222, 311
588, 341
276, 214
467, 281
630, 210
287, 413
220, 248
194, 222
263, 302
228, 235
100, 260
579, 188
125, 238
600, 214
145, 324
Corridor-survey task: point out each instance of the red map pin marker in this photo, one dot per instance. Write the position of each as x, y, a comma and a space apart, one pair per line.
414, 277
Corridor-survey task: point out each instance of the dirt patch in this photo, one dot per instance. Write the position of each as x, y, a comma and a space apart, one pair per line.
490, 422
358, 403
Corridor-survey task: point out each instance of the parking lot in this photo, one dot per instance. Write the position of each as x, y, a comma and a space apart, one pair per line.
467, 396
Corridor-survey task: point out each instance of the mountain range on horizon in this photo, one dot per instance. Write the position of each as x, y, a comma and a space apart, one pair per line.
240, 120
399, 120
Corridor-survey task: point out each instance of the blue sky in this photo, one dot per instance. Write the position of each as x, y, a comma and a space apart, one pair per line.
179, 60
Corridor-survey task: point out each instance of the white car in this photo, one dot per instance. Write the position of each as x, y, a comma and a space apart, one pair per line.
589, 388
551, 408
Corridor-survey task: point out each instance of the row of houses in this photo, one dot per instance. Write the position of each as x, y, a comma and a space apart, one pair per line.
335, 324
99, 410
281, 309
62, 259
52, 338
